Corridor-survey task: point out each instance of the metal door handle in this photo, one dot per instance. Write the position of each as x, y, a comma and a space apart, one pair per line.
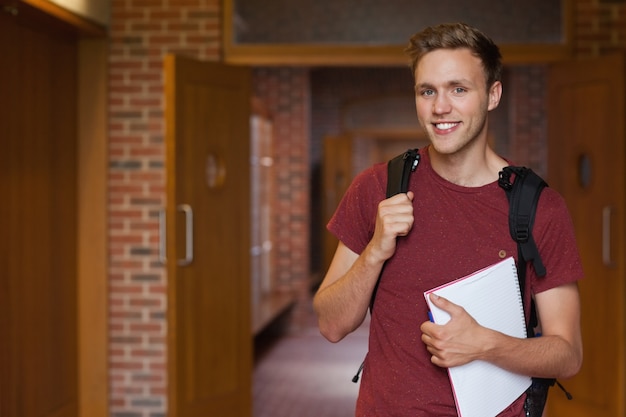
188, 259
162, 237
607, 212
186, 208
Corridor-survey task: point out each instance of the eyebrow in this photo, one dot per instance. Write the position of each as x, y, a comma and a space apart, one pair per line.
451, 83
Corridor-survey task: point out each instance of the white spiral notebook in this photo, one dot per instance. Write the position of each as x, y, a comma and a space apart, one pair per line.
492, 297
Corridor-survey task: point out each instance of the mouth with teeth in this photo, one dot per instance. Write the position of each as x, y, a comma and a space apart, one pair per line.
445, 125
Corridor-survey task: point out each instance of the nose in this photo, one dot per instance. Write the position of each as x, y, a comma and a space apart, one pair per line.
441, 104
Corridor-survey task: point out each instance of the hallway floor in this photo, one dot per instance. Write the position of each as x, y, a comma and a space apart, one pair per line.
301, 374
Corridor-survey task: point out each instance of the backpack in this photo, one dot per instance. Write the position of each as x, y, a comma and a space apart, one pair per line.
523, 195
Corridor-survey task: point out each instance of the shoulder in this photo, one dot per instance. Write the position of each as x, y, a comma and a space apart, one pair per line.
378, 170
366, 190
551, 203
372, 180
354, 219
552, 213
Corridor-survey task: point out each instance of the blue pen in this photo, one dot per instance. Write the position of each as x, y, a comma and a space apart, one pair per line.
430, 316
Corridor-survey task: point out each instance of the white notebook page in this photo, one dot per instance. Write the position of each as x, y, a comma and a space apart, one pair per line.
492, 297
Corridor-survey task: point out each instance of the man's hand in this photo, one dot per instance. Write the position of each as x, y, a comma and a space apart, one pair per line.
459, 341
394, 218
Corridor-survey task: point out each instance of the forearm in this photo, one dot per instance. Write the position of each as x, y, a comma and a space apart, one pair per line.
558, 353
342, 305
545, 356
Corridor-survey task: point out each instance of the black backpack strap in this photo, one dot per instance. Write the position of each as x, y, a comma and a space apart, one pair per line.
399, 170
523, 195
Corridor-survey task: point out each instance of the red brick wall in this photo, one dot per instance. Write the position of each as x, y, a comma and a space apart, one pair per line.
285, 92
142, 32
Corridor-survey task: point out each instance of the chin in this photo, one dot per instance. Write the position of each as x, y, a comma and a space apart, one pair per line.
445, 147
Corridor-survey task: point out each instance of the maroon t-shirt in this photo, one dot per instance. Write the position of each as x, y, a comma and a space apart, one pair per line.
457, 230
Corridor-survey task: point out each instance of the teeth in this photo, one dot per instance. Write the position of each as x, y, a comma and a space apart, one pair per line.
444, 126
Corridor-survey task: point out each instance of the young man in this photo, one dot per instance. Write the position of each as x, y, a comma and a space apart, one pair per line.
453, 221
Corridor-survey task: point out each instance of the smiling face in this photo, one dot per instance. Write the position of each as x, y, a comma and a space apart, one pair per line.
452, 100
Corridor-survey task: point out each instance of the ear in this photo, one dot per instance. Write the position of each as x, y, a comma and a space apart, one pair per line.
495, 92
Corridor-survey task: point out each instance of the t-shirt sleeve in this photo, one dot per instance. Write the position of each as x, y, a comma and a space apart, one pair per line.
355, 217
555, 237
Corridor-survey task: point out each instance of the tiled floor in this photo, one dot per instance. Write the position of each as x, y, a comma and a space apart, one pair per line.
301, 374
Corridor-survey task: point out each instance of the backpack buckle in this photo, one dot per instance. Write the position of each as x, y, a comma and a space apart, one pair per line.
522, 233
504, 180
414, 156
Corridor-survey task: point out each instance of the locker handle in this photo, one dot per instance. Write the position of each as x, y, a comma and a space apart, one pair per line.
188, 259
607, 212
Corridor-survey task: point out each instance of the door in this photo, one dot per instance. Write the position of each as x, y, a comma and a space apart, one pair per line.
38, 219
586, 164
208, 238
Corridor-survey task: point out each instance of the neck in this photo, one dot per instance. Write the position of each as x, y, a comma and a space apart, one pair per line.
472, 168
